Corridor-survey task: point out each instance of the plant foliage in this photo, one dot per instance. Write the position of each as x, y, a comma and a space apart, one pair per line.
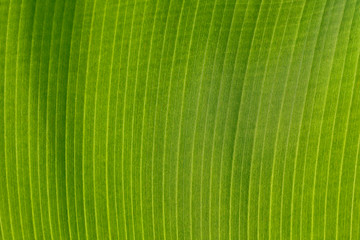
179, 119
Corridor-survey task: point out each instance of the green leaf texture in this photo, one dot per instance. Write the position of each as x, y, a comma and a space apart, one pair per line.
179, 119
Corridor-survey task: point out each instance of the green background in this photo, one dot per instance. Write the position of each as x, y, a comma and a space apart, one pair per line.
179, 119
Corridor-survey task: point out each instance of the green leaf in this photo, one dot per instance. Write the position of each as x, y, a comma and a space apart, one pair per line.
179, 119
